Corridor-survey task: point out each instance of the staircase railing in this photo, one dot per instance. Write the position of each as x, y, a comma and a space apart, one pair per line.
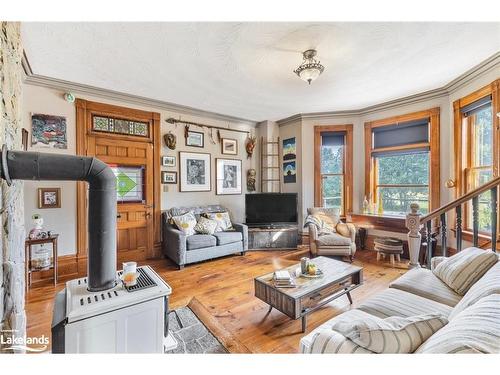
421, 231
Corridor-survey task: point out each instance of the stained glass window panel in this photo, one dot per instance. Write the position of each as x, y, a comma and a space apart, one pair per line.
129, 183
101, 123
141, 128
120, 126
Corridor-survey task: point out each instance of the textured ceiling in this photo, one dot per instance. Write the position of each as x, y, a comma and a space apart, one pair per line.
245, 69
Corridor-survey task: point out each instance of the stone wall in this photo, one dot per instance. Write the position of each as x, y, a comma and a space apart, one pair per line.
13, 316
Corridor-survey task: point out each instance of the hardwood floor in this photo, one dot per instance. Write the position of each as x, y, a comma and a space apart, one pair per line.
225, 287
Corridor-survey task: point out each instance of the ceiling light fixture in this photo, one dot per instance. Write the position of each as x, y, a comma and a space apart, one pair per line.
310, 69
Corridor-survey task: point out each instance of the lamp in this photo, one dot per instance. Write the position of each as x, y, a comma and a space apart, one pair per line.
310, 69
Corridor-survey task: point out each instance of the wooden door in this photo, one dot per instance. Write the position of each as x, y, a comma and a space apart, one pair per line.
135, 229
128, 140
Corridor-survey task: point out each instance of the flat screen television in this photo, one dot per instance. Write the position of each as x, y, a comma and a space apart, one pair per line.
271, 208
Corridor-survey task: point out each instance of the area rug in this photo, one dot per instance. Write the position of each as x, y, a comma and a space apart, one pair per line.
198, 332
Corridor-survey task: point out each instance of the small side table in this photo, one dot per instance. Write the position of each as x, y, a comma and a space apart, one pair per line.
38, 241
361, 236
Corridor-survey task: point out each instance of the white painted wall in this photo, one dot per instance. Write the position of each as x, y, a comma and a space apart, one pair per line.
60, 220
63, 220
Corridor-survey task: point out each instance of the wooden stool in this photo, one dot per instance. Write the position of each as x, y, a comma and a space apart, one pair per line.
389, 246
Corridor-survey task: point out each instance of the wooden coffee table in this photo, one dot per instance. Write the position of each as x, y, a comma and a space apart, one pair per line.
309, 295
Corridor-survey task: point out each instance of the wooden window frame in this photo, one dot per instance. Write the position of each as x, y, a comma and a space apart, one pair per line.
433, 144
348, 163
463, 146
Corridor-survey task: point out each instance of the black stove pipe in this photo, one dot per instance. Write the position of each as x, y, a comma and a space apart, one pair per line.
23, 165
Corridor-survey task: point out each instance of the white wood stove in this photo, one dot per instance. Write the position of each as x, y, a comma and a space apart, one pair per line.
117, 320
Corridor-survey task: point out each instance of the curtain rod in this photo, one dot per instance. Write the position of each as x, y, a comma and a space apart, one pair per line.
172, 120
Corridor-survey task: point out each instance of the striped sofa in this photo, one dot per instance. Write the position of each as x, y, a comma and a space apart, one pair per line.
473, 319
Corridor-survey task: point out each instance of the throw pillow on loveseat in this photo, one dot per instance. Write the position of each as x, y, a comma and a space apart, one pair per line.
185, 223
463, 269
222, 218
205, 226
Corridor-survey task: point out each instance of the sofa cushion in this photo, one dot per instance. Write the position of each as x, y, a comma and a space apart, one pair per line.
199, 241
395, 302
317, 340
332, 342
424, 283
205, 226
463, 269
222, 218
224, 238
391, 335
475, 328
485, 286
185, 223
333, 239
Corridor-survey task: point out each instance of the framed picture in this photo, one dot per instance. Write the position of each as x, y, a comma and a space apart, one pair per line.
289, 149
228, 176
229, 146
289, 172
49, 198
168, 177
195, 139
194, 171
168, 161
48, 131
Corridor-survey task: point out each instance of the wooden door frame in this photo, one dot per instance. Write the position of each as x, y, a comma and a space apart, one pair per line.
348, 160
84, 111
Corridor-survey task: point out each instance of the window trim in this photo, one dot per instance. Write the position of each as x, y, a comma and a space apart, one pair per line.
463, 146
348, 160
433, 144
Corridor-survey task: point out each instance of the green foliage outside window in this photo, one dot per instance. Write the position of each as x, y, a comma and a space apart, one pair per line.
403, 169
332, 169
481, 171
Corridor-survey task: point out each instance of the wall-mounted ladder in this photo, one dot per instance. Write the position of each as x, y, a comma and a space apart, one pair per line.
270, 157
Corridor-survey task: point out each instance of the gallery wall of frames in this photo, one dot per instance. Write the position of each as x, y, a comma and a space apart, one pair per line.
204, 165
207, 161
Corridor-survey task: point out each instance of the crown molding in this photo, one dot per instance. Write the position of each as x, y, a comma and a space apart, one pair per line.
489, 64
482, 68
59, 84
38, 80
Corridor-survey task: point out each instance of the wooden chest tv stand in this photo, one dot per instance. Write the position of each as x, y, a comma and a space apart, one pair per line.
273, 236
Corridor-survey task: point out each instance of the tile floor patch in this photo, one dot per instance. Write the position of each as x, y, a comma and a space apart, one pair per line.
192, 336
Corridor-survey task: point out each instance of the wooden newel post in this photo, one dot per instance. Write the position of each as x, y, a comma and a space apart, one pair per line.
414, 236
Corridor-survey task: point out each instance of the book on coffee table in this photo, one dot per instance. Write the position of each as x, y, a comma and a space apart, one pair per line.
283, 279
282, 275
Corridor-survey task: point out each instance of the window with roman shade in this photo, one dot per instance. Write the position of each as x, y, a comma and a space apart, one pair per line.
477, 150
398, 163
333, 167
